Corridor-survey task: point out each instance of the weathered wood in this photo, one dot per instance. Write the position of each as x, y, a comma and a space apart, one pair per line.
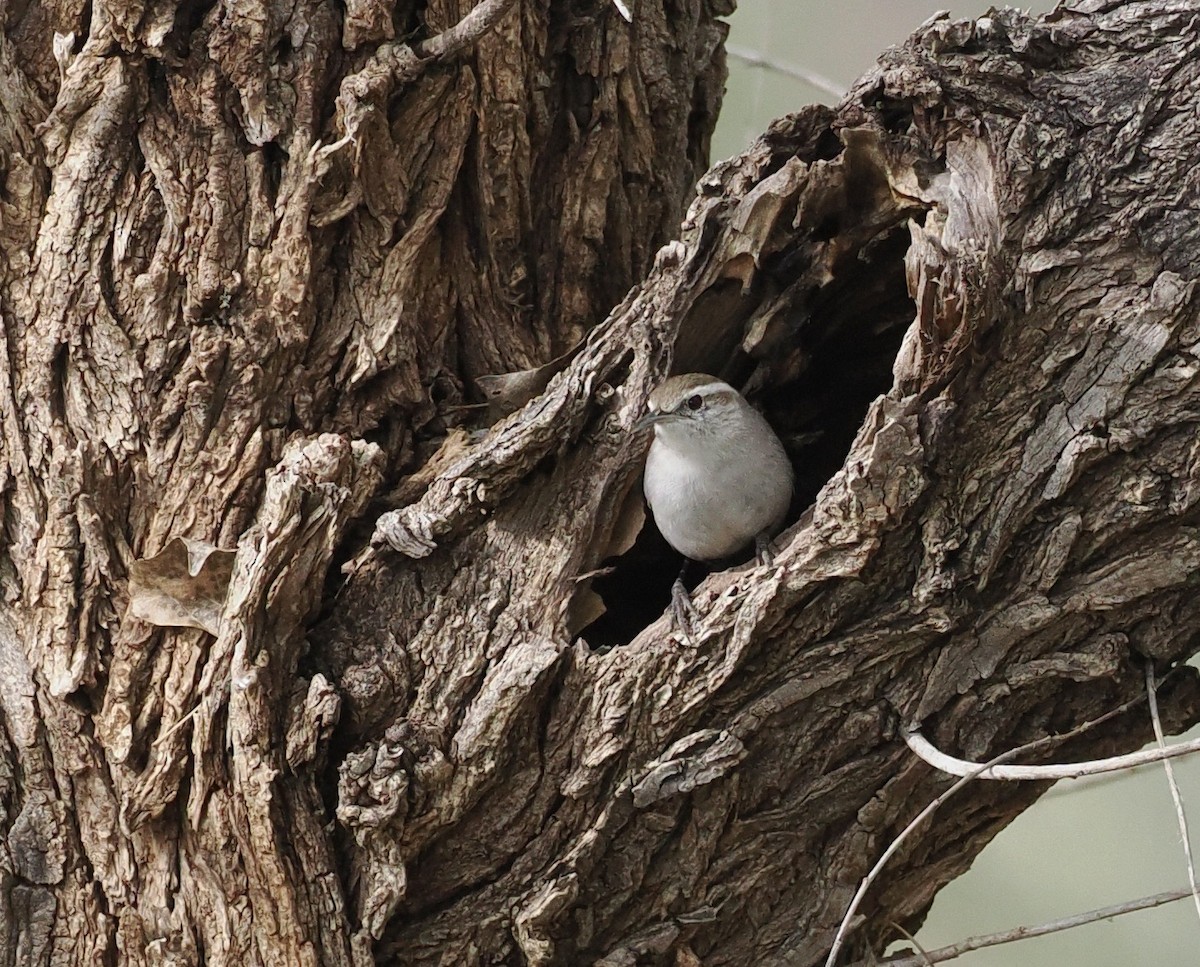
233, 255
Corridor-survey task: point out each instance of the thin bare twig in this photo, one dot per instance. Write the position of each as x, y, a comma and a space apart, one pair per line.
1152, 698
754, 58
942, 954
977, 768
925, 961
925, 750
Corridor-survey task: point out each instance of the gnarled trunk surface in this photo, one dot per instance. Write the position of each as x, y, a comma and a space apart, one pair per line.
255, 260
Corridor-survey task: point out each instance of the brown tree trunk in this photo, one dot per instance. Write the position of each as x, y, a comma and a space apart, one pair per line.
257, 261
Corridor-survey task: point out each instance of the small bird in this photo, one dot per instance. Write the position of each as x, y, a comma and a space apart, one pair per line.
717, 476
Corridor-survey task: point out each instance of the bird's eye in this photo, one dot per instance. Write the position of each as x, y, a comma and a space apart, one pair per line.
694, 402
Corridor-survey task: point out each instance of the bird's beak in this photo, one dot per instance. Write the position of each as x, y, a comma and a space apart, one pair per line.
647, 421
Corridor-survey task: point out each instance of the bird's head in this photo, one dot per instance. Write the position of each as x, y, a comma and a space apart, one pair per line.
691, 405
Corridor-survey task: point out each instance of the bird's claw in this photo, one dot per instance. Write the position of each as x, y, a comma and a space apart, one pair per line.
763, 551
684, 612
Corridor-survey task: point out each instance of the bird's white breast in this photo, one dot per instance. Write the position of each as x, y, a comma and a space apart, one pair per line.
710, 501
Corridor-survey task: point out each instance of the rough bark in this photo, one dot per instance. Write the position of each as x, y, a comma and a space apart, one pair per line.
255, 259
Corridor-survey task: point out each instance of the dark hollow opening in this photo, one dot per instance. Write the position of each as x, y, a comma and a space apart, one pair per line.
848, 333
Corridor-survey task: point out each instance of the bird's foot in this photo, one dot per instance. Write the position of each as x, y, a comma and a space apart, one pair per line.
684, 612
764, 552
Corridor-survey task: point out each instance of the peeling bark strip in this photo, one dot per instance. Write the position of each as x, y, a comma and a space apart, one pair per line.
216, 285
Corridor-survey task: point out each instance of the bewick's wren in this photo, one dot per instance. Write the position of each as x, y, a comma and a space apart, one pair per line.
716, 477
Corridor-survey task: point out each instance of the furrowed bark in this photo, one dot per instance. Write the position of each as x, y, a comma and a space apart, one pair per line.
255, 260
233, 246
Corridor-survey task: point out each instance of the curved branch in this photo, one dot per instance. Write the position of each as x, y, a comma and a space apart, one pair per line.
971, 774
467, 31
927, 752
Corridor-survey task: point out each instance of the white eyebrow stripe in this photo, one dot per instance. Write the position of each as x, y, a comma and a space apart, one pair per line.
708, 389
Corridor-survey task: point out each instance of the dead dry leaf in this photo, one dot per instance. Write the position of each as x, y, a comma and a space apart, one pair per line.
183, 586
